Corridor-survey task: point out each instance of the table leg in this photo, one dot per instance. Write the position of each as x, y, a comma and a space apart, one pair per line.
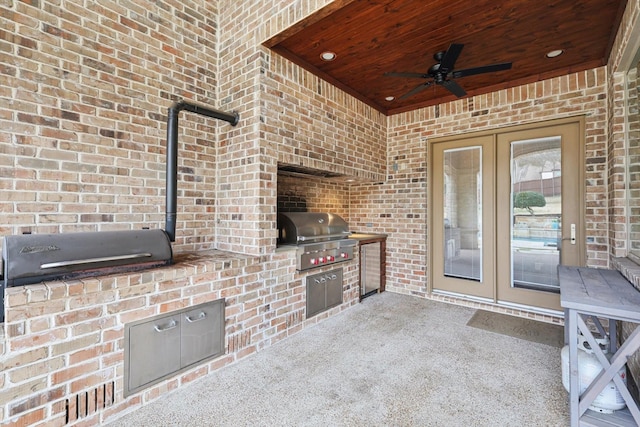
610, 368
566, 328
571, 323
613, 336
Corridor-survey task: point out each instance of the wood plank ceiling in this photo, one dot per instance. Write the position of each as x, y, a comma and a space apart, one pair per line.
371, 38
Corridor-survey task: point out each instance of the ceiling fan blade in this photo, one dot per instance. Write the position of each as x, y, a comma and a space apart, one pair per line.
450, 57
411, 75
415, 90
454, 88
480, 70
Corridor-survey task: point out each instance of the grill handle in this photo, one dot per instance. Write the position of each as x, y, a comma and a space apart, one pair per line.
324, 236
93, 260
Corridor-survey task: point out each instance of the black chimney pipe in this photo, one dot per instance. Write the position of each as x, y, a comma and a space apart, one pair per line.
172, 154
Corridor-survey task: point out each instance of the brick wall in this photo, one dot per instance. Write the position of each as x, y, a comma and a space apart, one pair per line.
616, 148
404, 215
315, 125
617, 161
83, 125
287, 116
312, 195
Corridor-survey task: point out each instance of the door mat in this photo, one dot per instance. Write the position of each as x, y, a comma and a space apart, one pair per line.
518, 327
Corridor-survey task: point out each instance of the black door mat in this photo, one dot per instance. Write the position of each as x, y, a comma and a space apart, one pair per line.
518, 327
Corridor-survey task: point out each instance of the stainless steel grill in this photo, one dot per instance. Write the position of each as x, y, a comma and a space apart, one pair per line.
321, 238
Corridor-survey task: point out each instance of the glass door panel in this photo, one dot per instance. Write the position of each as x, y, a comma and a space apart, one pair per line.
463, 185
463, 213
536, 213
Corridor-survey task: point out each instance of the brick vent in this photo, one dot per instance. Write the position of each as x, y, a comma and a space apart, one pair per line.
89, 402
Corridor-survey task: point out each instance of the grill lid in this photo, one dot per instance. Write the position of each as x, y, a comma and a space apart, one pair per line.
32, 258
310, 227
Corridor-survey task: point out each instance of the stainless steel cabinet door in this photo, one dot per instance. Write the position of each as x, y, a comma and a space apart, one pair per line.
370, 267
202, 331
315, 296
154, 350
334, 288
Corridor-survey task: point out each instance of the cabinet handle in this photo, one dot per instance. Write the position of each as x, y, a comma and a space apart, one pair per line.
167, 327
200, 316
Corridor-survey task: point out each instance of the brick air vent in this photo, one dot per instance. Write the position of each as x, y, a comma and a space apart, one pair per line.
89, 402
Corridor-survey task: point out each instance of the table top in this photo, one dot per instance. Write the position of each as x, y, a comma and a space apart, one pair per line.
599, 292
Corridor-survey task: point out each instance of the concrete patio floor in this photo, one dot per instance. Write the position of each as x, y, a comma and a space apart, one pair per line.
393, 360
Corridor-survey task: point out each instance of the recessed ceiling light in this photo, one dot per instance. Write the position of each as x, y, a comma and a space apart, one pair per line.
328, 56
554, 53
390, 98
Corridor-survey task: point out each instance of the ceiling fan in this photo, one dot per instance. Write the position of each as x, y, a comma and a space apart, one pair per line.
442, 73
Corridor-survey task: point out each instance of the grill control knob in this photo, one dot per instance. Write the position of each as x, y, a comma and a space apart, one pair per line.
322, 259
331, 258
344, 255
313, 261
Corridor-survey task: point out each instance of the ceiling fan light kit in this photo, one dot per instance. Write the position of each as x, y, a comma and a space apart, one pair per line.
442, 73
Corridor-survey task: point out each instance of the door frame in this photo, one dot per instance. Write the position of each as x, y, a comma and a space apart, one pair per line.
580, 180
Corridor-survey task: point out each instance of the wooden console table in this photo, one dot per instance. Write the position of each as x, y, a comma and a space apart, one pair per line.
589, 293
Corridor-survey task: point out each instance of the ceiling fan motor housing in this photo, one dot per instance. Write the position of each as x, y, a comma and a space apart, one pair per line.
439, 72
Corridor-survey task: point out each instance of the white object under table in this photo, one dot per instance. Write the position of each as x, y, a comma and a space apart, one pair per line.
596, 294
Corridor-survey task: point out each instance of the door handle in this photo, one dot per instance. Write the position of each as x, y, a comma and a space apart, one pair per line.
201, 315
573, 235
162, 328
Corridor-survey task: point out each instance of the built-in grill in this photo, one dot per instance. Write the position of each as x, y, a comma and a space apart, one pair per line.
321, 238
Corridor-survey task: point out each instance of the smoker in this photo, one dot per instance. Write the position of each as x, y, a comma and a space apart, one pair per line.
33, 258
320, 238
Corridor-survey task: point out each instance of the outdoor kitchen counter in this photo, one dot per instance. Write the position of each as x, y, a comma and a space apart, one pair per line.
210, 256
367, 236
185, 265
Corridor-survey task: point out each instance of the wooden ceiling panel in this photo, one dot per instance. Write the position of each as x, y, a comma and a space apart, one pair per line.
371, 38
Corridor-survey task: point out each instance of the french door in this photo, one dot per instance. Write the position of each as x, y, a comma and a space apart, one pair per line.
506, 211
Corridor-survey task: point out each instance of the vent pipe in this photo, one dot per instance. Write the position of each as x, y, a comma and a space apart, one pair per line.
172, 154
